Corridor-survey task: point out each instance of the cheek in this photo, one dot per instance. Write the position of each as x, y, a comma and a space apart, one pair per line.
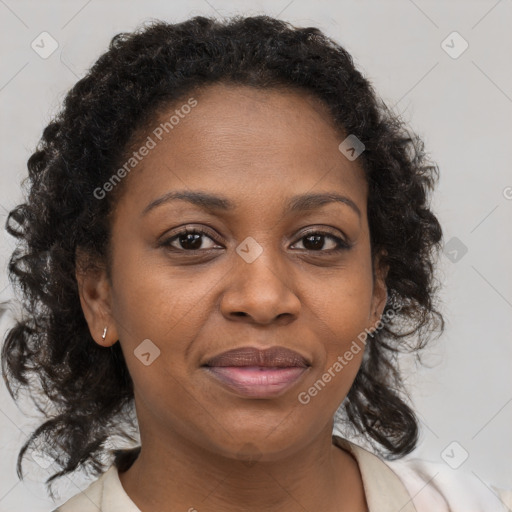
157, 311
341, 323
348, 318
342, 304
154, 300
342, 312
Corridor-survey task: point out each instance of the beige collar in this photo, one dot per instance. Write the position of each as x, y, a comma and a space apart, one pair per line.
384, 490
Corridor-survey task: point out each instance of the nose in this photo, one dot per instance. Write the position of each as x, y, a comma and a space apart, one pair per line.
260, 292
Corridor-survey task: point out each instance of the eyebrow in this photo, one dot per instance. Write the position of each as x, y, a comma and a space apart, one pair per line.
207, 201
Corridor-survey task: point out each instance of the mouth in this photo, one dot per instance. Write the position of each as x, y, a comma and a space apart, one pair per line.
255, 373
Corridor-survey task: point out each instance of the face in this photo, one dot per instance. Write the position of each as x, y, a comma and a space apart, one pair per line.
261, 267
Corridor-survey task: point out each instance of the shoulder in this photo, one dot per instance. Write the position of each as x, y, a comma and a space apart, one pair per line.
417, 485
88, 500
434, 484
106, 493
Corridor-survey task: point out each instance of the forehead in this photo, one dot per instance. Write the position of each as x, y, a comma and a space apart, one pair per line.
243, 119
272, 142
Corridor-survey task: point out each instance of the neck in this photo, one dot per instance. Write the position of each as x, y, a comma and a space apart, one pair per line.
173, 471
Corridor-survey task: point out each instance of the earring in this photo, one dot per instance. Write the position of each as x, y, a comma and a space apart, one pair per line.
104, 335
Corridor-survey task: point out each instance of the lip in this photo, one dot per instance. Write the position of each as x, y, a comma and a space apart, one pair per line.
256, 373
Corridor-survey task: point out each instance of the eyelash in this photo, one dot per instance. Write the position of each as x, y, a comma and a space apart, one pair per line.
342, 245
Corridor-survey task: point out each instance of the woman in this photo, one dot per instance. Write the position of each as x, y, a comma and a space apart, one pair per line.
226, 243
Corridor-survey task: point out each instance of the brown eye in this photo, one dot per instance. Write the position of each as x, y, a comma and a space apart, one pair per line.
189, 240
316, 241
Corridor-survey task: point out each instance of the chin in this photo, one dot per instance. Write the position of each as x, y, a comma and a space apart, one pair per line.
265, 444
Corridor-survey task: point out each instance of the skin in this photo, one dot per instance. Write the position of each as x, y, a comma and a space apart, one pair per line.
203, 446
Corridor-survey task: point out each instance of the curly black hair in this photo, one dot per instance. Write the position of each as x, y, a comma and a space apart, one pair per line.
85, 390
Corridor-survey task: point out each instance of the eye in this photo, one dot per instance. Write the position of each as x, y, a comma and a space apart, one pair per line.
315, 241
190, 239
193, 239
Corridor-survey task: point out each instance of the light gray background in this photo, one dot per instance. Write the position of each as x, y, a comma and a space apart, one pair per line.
460, 106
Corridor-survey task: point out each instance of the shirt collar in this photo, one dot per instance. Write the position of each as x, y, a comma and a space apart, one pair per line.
384, 490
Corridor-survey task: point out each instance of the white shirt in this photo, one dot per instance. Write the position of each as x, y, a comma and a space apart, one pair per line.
406, 485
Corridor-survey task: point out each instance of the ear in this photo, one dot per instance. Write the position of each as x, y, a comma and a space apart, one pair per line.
380, 291
95, 297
